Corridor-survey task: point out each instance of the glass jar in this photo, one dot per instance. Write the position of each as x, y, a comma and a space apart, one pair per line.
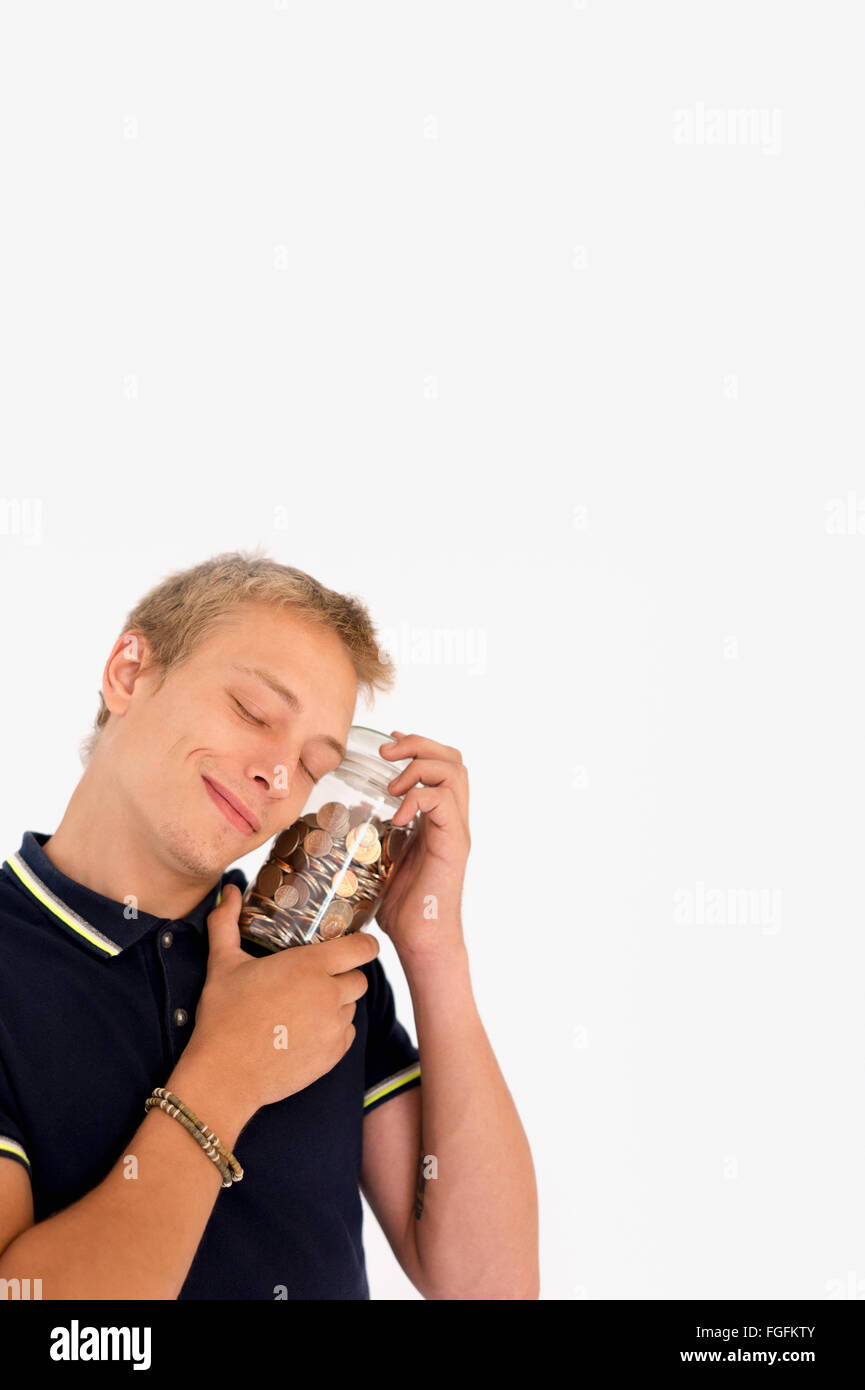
326, 874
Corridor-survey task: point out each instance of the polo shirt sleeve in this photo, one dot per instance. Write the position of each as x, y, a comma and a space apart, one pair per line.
12, 1141
392, 1060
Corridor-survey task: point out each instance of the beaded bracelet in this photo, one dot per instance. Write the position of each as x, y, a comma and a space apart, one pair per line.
211, 1152
225, 1161
208, 1133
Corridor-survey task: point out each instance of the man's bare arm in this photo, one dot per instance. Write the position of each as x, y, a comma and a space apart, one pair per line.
447, 1167
135, 1237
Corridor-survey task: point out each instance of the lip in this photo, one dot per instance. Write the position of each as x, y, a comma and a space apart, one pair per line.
232, 807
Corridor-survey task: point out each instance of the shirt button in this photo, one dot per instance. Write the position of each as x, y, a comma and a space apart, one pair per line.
167, 938
180, 1017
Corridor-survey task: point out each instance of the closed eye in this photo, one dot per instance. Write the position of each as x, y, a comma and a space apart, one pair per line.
246, 714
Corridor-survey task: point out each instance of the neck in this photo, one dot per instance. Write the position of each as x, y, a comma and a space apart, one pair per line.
99, 844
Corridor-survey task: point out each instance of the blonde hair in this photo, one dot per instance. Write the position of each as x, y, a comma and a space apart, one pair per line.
181, 611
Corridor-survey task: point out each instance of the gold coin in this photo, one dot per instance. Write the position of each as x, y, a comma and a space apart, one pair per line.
368, 854
347, 885
330, 928
337, 912
364, 835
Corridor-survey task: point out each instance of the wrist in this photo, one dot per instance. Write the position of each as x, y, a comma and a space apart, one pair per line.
448, 961
201, 1085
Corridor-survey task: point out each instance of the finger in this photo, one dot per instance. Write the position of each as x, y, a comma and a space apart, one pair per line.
222, 924
352, 984
347, 1011
438, 805
348, 952
412, 745
432, 772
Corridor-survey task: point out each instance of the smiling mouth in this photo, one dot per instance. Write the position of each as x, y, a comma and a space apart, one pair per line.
231, 815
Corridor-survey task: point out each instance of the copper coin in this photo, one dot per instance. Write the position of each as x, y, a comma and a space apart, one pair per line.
269, 879
396, 842
303, 891
286, 895
265, 907
362, 914
299, 860
286, 842
247, 915
317, 843
333, 816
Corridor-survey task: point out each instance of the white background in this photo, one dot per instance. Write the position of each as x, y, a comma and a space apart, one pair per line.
460, 308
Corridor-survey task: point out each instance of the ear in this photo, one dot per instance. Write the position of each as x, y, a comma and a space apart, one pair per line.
128, 659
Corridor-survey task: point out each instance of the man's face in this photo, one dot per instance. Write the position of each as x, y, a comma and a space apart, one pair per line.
173, 747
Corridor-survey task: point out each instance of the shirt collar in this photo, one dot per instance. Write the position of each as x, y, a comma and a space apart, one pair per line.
104, 926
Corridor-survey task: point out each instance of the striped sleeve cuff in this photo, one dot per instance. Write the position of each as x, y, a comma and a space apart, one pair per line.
391, 1086
10, 1148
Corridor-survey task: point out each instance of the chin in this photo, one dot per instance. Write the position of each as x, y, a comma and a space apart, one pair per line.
198, 854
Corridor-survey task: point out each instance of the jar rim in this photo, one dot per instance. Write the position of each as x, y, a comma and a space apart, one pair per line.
365, 748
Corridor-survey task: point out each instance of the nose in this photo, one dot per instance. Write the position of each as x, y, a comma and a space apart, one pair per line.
277, 778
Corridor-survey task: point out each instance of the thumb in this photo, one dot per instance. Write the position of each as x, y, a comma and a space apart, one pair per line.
222, 924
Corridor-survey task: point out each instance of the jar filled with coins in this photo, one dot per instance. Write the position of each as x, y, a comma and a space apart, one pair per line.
327, 873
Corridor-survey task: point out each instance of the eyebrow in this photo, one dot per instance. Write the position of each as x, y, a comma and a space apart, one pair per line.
289, 697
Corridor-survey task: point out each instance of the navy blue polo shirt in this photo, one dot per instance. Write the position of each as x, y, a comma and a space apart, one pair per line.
96, 1006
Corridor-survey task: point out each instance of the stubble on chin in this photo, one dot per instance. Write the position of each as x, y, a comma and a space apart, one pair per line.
192, 853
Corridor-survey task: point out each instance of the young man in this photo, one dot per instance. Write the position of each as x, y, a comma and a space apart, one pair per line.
230, 692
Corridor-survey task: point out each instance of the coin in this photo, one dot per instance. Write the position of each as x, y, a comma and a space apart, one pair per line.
338, 916
287, 842
317, 843
247, 915
333, 816
286, 895
396, 843
303, 892
325, 876
346, 887
364, 834
260, 903
367, 854
269, 879
331, 927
